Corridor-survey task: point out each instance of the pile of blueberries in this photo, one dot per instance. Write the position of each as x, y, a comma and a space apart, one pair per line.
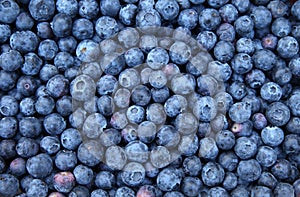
113, 98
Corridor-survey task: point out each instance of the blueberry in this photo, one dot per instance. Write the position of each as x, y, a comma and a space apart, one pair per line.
259, 121
266, 156
32, 64
225, 139
226, 32
287, 47
83, 29
169, 179
224, 51
160, 95
113, 63
107, 84
8, 106
5, 33
261, 16
39, 166
50, 144
110, 137
207, 39
82, 88
119, 160
281, 169
17, 41
127, 14
11, 61
37, 187
278, 114
167, 136
69, 7
24, 21
209, 19
44, 105
188, 145
79, 191
281, 27
7, 80
237, 90
282, 76
255, 78
228, 13
294, 66
99, 193
144, 4
188, 18
141, 95
230, 181
261, 190
245, 45
267, 179
90, 153
146, 131
106, 27
110, 8
9, 10
143, 16
9, 185
88, 8
168, 10
191, 186
157, 154
243, 25
65, 160
67, 44
212, 174
47, 49
64, 182
129, 78
44, 30
245, 148
133, 174
42, 10
240, 191
27, 147
208, 148
8, 127
157, 58
155, 113
272, 136
240, 112
124, 191
271, 92
105, 180
249, 170
242, 63
295, 10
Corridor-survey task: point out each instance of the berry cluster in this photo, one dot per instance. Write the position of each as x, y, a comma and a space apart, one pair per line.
155, 98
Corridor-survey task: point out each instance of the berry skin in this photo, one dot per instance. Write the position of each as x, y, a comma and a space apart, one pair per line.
39, 166
169, 179
83, 29
11, 61
287, 47
271, 92
168, 9
127, 14
245, 148
243, 25
47, 49
212, 174
8, 106
261, 16
105, 180
226, 32
24, 21
27, 147
207, 39
37, 187
9, 185
240, 112
143, 18
224, 51
208, 148
64, 182
225, 139
69, 7
110, 8
32, 64
188, 18
17, 41
228, 13
88, 8
249, 170
42, 10
295, 10
106, 27
9, 10
209, 19
278, 114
